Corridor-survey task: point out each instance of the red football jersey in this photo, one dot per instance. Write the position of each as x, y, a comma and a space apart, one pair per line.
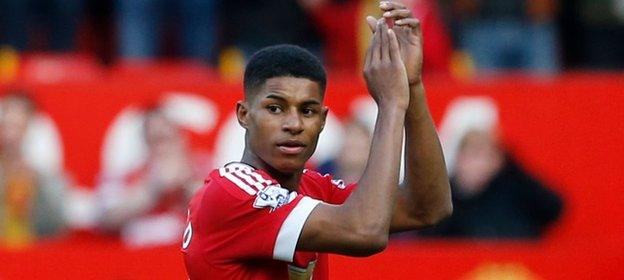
243, 225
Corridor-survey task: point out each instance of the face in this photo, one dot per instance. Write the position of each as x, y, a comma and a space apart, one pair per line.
351, 165
283, 119
161, 134
478, 161
14, 122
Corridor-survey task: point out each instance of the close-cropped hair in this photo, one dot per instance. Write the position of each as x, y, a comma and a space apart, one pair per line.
283, 61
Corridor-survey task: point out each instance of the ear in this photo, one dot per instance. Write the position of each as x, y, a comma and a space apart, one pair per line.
324, 113
242, 113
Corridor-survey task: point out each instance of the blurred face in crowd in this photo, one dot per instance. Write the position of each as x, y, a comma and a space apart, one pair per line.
351, 164
283, 119
478, 161
16, 115
161, 134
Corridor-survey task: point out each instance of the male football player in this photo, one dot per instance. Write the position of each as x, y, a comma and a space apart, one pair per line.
266, 217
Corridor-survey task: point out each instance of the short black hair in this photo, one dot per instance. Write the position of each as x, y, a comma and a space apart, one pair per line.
283, 61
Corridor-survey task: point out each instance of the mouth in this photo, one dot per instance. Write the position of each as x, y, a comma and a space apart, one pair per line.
291, 147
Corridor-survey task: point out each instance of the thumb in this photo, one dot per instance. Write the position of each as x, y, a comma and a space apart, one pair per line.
372, 23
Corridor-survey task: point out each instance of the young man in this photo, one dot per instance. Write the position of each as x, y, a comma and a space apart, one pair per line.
266, 217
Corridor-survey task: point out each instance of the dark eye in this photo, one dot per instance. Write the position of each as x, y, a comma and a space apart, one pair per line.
274, 109
308, 111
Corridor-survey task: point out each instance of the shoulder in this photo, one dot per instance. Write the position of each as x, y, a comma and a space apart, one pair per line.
325, 187
241, 180
250, 187
324, 180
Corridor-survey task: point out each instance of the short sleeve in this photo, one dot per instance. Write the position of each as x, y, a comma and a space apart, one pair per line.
340, 196
330, 189
251, 216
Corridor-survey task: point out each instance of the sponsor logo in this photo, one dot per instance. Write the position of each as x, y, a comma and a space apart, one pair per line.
339, 184
273, 197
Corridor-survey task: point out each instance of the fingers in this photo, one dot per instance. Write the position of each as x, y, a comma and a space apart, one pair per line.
391, 5
376, 44
408, 22
385, 55
372, 23
394, 11
412, 23
383, 44
368, 57
397, 14
395, 53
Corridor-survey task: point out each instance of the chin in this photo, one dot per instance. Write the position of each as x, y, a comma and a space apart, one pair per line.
288, 165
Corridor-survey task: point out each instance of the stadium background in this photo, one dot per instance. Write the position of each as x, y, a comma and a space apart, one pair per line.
566, 128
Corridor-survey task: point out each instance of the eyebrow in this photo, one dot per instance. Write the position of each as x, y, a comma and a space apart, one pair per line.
281, 98
275, 96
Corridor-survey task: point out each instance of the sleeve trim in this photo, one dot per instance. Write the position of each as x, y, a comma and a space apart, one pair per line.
288, 234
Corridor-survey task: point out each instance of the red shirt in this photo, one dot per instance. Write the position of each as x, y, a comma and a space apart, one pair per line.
243, 225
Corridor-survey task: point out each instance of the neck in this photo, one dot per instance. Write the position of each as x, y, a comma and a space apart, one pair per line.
288, 180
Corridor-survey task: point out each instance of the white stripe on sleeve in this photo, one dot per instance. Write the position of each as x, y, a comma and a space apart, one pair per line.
291, 229
248, 179
239, 183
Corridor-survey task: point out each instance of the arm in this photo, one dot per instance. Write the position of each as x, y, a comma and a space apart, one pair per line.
425, 197
361, 225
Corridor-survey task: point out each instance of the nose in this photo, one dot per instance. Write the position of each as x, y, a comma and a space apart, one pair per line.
293, 123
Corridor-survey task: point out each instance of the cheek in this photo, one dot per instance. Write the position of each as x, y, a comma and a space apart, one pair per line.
262, 131
314, 132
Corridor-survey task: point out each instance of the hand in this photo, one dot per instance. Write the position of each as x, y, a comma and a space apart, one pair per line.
409, 34
384, 70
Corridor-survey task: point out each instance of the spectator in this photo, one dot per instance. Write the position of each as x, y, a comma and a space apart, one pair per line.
30, 201
492, 196
142, 26
252, 25
514, 34
348, 165
25, 23
602, 32
147, 206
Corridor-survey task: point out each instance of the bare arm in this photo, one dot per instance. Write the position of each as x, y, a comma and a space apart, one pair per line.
425, 197
361, 225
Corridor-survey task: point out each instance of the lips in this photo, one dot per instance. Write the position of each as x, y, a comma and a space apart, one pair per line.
291, 147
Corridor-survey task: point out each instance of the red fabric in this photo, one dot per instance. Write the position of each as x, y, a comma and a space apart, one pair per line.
233, 238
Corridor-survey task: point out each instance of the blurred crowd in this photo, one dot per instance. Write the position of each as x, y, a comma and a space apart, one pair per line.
145, 204
462, 36
494, 197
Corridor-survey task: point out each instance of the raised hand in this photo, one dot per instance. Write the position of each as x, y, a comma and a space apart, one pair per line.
409, 35
384, 69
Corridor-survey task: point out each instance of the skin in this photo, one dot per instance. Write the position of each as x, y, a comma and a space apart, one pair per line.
284, 109
425, 196
291, 109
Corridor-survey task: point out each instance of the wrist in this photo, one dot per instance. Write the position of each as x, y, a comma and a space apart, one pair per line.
415, 81
393, 107
417, 88
418, 102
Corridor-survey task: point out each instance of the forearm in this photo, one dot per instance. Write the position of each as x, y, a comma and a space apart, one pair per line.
370, 206
426, 191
